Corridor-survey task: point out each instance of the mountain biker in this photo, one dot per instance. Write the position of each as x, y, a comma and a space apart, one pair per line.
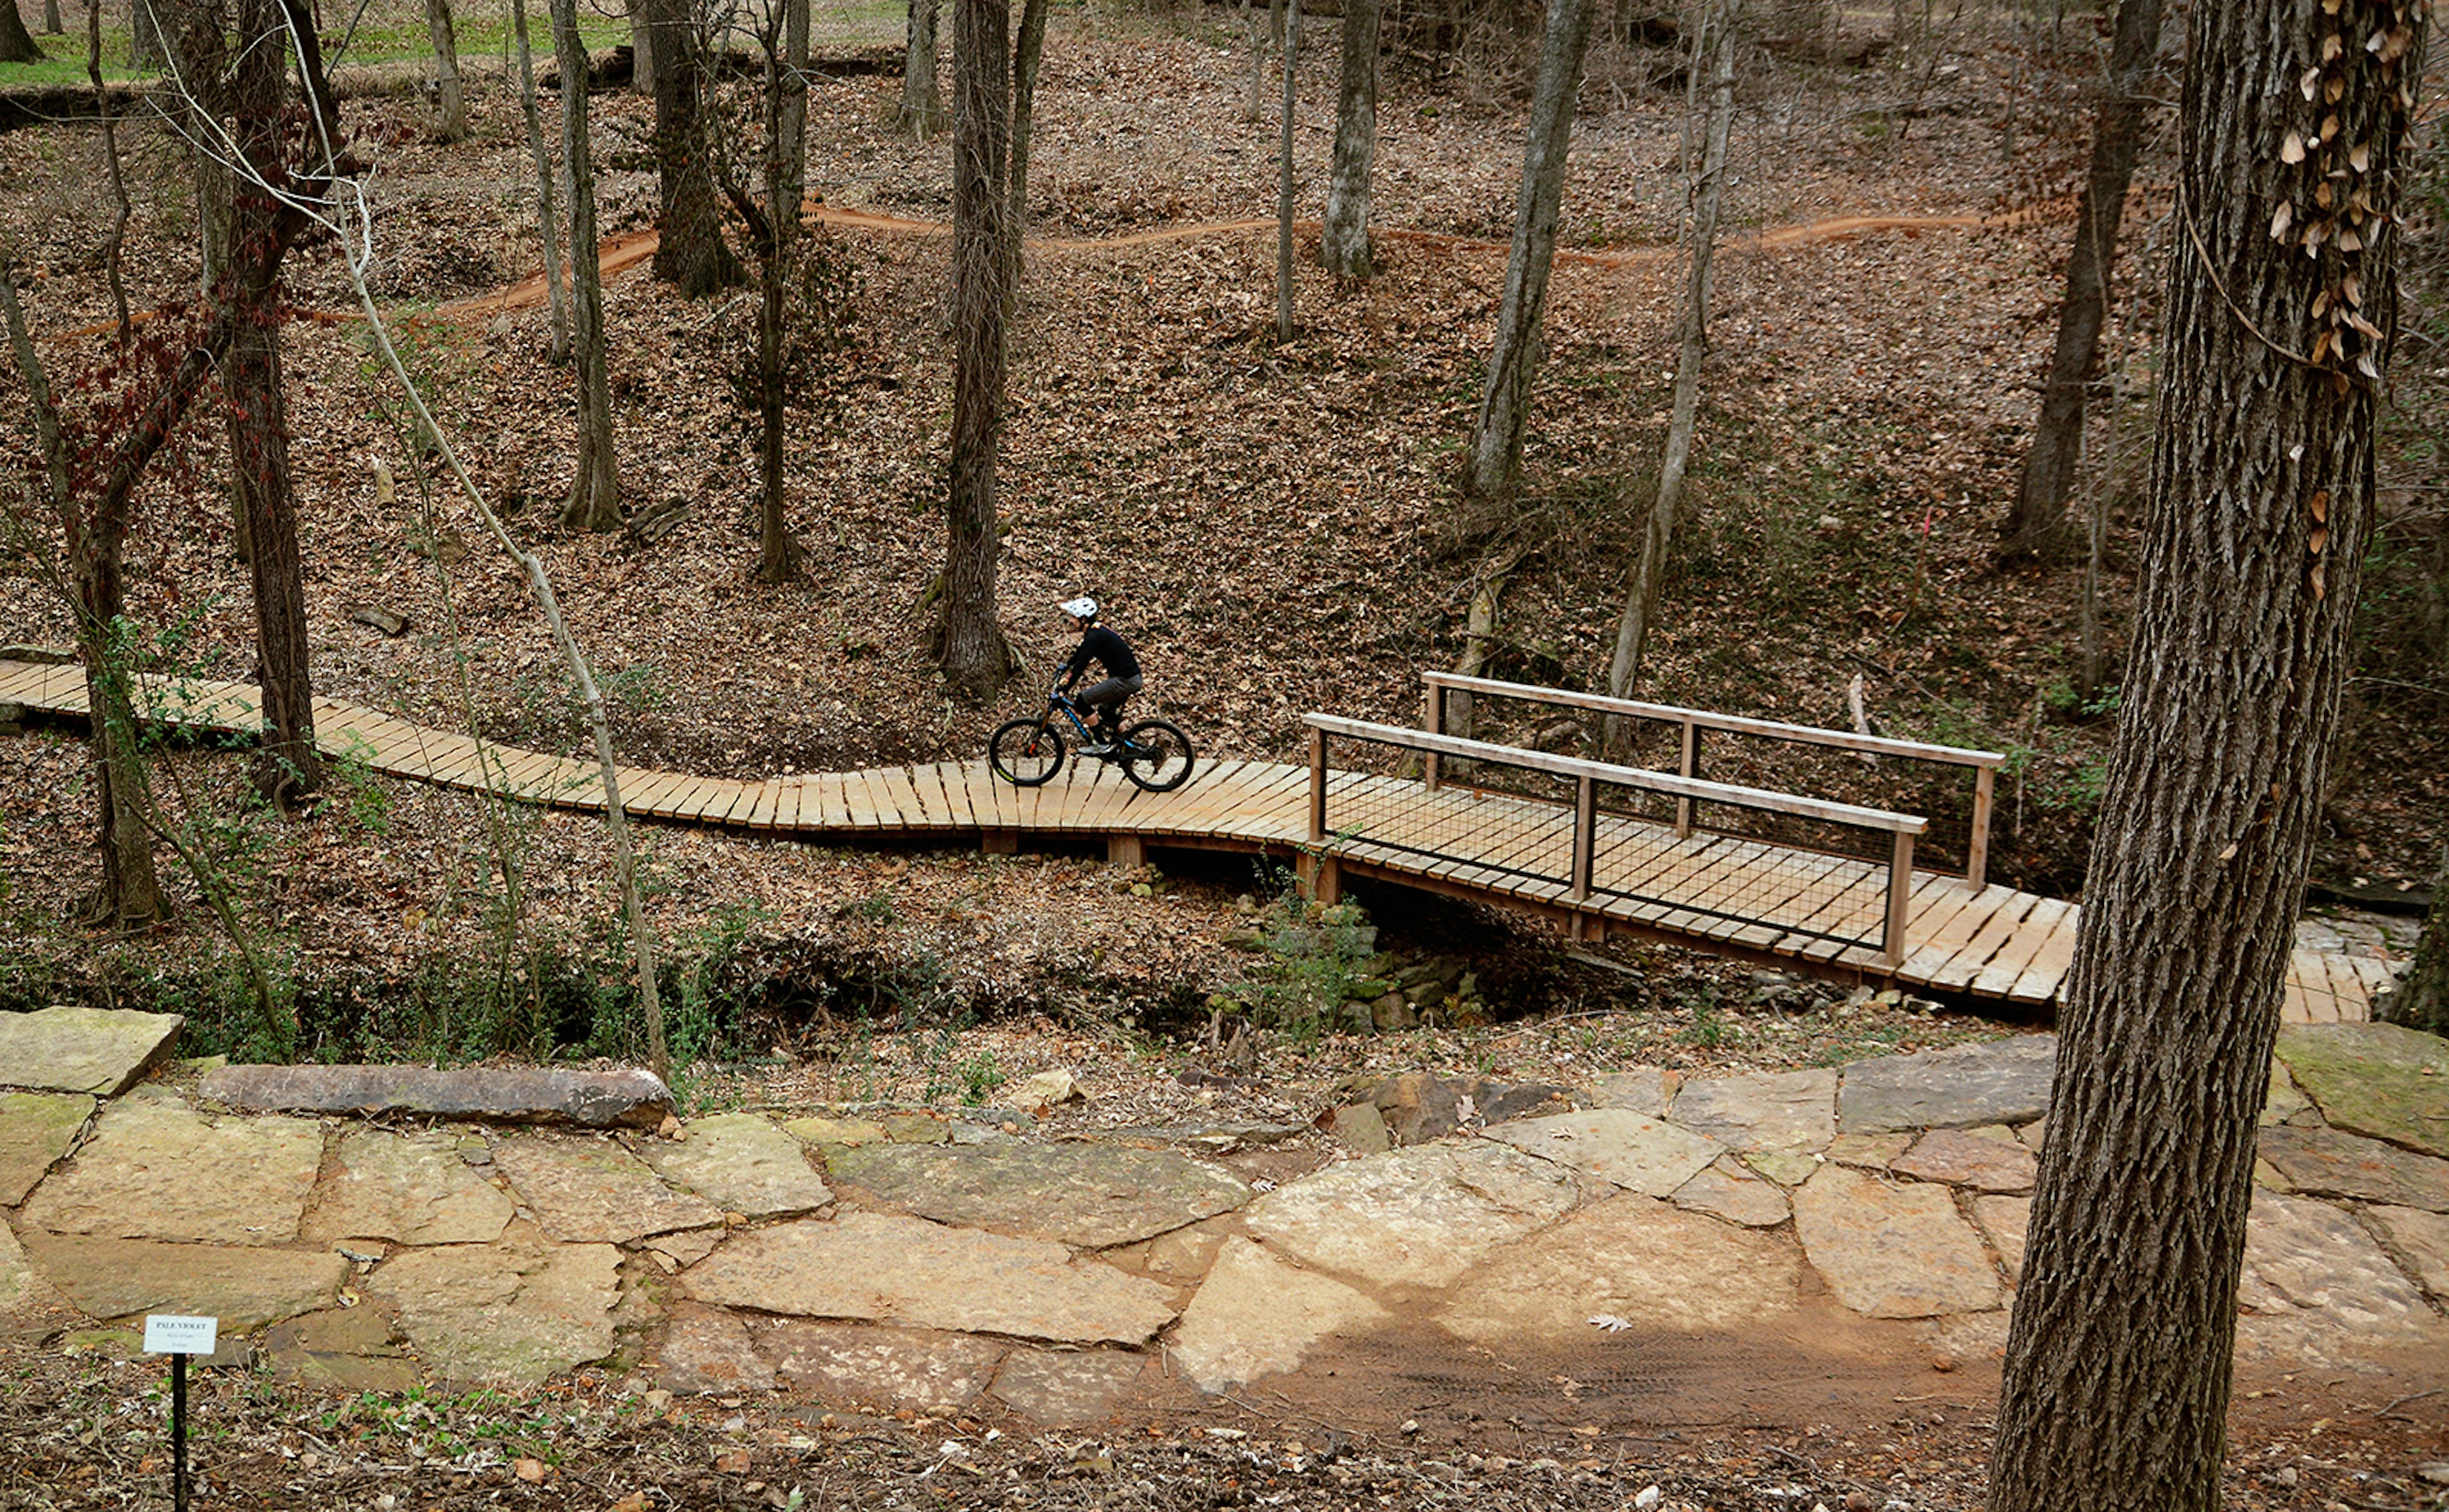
1104, 699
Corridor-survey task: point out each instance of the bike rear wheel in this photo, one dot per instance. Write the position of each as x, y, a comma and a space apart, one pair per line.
1157, 756
1025, 753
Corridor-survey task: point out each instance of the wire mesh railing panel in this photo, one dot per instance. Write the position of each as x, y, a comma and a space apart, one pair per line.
1941, 792
1512, 837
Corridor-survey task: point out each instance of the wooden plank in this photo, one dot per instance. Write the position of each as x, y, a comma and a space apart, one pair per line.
1987, 941
2046, 972
1997, 978
787, 794
948, 790
1943, 931
908, 811
655, 794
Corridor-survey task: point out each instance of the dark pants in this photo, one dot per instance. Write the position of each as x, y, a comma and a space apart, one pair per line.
1105, 700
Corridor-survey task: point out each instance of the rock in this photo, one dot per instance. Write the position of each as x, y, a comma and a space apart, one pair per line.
1392, 1012
1728, 1191
1361, 1127
28, 1303
1185, 1254
1068, 1390
744, 1164
1961, 1158
883, 1267
514, 1313
1412, 1218
156, 1169
382, 620
36, 1129
1091, 1195
1417, 1107
1643, 1089
35, 654
2286, 1101
1255, 1315
916, 1128
1793, 1111
1034, 1094
1636, 1258
2330, 1271
687, 1246
1504, 1101
592, 1190
2328, 1162
2003, 1222
349, 1349
2003, 1082
2379, 1080
1892, 1251
846, 1132
13, 716
1786, 1169
1638, 1154
410, 1189
708, 1350
594, 1099
1869, 1152
2421, 1242
894, 1368
99, 1051
244, 1287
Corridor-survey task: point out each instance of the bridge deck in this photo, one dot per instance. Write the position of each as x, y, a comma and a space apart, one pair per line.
1998, 944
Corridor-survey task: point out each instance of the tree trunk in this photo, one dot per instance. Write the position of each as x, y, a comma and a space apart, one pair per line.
1285, 184
16, 43
690, 251
922, 100
450, 122
1633, 629
548, 221
2119, 1359
642, 70
53, 24
595, 490
2421, 999
1344, 240
1496, 440
975, 657
143, 36
2037, 518
115, 249
1026, 55
1255, 106
786, 87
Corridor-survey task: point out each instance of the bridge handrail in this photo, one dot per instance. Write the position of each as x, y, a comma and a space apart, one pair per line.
1985, 763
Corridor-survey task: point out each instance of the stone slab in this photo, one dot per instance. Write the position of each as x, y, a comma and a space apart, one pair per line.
1643, 1089
1891, 1251
587, 1190
1728, 1190
98, 1051
2003, 1222
25, 1299
741, 1163
819, 1129
349, 1349
1630, 1257
884, 1267
2002, 1082
406, 1188
1633, 1151
1789, 1111
36, 1129
2421, 1242
1777, 1165
514, 1313
2383, 1081
1258, 1316
594, 1099
1962, 1158
1091, 1195
2329, 1163
1063, 1391
244, 1287
892, 1367
1412, 1218
2322, 1261
156, 1169
708, 1350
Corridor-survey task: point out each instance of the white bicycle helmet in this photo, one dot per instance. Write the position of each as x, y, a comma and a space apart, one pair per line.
1082, 607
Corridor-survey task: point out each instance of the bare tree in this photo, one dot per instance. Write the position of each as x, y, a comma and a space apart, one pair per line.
1343, 242
143, 35
921, 112
548, 221
1285, 184
451, 118
1255, 106
975, 657
2120, 1358
1496, 440
16, 44
53, 24
1706, 187
690, 251
2038, 516
595, 488
1026, 55
115, 249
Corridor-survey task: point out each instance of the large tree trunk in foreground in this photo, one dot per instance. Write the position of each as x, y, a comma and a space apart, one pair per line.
548, 222
16, 43
450, 120
595, 490
1343, 242
1633, 629
976, 658
2115, 1392
1496, 440
922, 100
2057, 440
2421, 1001
690, 251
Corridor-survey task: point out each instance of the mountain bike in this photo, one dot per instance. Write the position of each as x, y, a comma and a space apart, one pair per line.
1026, 752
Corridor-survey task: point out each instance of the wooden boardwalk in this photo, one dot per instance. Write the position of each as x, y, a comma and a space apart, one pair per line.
1994, 944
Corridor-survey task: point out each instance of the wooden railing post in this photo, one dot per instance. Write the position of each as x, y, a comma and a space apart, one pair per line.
1690, 767
1433, 719
1892, 942
1976, 850
1585, 829
1317, 786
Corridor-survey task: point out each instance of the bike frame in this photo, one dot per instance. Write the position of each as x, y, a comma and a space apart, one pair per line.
1071, 708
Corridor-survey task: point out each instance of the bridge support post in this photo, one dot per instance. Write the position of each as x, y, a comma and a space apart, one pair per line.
1321, 878
1000, 842
1126, 851
1899, 895
1977, 850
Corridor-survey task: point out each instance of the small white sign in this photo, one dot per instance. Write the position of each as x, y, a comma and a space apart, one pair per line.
168, 1333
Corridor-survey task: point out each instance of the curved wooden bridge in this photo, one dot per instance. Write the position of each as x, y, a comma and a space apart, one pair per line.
1482, 802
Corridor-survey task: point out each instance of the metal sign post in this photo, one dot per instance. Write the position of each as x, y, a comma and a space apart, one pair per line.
178, 1337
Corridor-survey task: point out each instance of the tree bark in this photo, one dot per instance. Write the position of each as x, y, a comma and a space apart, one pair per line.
2119, 1359
1633, 629
1255, 106
2038, 517
595, 490
115, 249
977, 660
922, 99
1026, 55
451, 122
548, 221
786, 87
53, 24
1284, 182
143, 35
1344, 239
2421, 999
690, 251
16, 44
642, 70
1496, 440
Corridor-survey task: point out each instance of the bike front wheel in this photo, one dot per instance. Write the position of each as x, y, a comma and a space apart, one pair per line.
1025, 753
1157, 756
